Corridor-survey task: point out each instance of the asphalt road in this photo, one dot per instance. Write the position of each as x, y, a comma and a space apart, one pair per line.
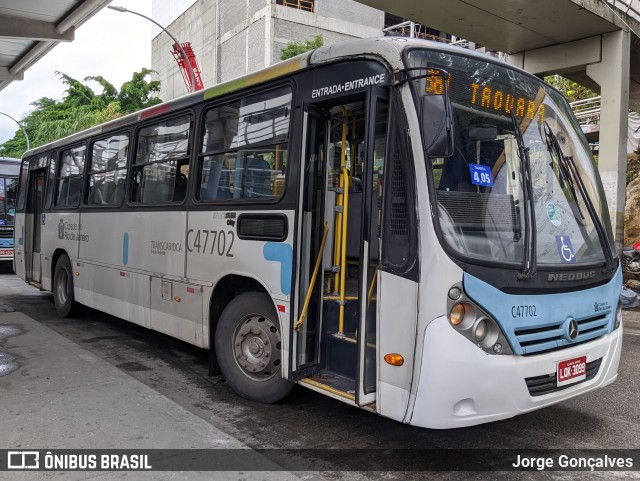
607, 419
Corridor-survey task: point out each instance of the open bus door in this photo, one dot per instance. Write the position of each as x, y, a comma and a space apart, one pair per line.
334, 331
33, 226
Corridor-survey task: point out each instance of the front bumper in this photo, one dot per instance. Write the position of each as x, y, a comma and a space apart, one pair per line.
460, 385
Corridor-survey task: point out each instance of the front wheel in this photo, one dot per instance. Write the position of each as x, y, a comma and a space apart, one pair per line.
63, 287
249, 348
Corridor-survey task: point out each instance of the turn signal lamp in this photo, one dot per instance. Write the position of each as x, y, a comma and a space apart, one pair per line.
394, 359
456, 316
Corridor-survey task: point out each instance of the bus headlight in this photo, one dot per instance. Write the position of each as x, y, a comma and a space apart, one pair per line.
466, 317
618, 319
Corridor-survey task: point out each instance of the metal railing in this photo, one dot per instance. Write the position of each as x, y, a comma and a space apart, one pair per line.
587, 110
306, 5
413, 30
629, 7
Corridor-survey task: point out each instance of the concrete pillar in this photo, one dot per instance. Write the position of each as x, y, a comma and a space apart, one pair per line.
612, 74
606, 59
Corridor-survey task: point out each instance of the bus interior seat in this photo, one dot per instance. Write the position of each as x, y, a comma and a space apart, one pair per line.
118, 193
257, 179
217, 185
476, 144
180, 188
63, 190
107, 191
75, 190
95, 196
151, 191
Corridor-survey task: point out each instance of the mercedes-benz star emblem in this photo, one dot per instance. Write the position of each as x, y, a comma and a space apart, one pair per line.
573, 329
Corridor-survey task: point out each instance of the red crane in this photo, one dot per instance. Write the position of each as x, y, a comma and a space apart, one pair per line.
184, 63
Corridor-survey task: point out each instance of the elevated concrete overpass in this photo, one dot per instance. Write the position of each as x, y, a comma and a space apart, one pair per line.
594, 42
31, 28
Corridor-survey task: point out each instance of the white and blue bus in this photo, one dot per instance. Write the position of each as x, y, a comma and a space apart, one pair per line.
9, 170
405, 226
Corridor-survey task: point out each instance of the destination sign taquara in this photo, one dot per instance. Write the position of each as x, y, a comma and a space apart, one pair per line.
500, 101
486, 97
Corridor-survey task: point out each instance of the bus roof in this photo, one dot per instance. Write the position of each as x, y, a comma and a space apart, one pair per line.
387, 49
9, 166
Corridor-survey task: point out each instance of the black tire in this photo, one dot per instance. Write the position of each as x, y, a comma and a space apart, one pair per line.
248, 348
63, 287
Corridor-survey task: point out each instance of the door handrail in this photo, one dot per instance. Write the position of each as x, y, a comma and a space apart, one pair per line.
307, 299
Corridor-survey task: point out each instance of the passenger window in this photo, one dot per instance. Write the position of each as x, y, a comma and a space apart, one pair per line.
108, 171
69, 184
244, 149
51, 181
161, 164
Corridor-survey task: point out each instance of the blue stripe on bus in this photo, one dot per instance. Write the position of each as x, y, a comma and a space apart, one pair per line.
125, 248
537, 323
282, 253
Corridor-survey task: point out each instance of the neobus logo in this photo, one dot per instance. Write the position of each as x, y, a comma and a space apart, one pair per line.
571, 276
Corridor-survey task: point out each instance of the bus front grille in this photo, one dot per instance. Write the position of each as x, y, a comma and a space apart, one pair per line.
552, 337
547, 383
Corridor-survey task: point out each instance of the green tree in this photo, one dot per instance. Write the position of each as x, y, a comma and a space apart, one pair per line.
571, 90
137, 93
296, 48
80, 108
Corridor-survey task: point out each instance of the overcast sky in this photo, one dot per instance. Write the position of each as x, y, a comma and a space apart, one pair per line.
110, 44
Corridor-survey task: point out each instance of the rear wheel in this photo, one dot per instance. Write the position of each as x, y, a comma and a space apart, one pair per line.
249, 350
63, 287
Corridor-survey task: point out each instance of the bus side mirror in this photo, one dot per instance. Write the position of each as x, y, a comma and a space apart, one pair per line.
437, 125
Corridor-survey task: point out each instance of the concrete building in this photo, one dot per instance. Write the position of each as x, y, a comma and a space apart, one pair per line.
231, 38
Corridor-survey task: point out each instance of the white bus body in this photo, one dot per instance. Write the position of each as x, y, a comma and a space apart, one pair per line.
204, 218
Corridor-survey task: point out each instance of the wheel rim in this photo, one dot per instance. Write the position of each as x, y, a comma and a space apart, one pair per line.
256, 347
62, 281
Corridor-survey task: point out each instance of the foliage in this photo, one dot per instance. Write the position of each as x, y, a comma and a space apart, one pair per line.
571, 90
296, 48
80, 108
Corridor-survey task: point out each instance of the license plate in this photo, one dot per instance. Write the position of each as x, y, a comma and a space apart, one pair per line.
6, 252
572, 370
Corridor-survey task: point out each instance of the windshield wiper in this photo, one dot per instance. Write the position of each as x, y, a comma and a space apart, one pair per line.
529, 262
564, 176
570, 171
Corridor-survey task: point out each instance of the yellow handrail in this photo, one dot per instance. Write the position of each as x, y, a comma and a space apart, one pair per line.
303, 314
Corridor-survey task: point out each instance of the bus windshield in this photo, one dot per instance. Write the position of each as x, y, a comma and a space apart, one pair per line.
521, 178
8, 191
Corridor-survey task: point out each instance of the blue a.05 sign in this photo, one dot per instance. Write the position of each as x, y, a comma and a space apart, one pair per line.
481, 175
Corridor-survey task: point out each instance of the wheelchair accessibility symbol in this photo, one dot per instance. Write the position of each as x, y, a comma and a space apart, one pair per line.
567, 255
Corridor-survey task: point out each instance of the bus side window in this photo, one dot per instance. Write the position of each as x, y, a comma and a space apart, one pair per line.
108, 170
51, 181
70, 176
161, 161
244, 148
